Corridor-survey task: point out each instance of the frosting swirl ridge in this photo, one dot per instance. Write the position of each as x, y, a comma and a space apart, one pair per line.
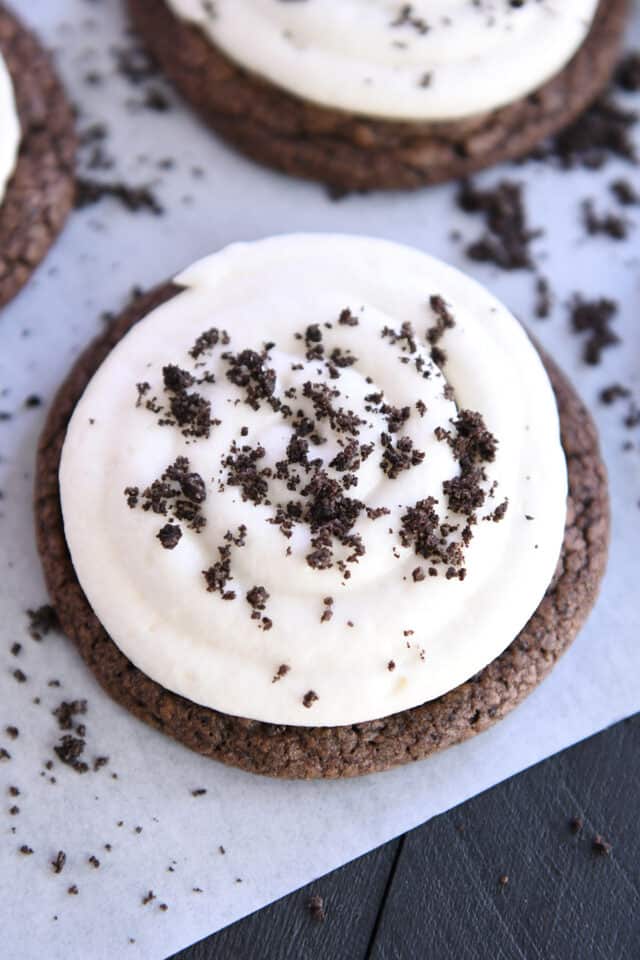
322, 484
427, 60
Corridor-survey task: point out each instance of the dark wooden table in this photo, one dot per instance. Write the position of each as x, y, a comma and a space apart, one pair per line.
506, 876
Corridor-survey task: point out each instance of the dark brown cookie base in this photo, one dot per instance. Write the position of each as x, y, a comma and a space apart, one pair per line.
307, 752
41, 191
350, 152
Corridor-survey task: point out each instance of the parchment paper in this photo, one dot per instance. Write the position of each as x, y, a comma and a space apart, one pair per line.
277, 836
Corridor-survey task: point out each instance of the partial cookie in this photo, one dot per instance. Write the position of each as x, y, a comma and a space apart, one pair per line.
312, 752
40, 192
351, 151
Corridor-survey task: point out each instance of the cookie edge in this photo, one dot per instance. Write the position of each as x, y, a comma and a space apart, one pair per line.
331, 752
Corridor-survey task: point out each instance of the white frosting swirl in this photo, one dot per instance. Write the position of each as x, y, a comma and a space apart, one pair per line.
9, 128
428, 60
437, 632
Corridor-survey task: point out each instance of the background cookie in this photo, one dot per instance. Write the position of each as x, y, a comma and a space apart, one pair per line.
350, 152
40, 193
304, 752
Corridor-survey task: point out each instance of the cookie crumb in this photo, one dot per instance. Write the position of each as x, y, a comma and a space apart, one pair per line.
315, 906
42, 621
601, 846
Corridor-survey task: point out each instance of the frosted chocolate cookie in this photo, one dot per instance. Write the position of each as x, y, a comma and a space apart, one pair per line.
366, 94
37, 151
306, 509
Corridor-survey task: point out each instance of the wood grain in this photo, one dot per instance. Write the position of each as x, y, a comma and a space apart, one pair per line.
436, 895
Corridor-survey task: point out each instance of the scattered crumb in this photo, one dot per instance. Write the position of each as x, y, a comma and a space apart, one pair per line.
42, 621
315, 906
601, 846
576, 824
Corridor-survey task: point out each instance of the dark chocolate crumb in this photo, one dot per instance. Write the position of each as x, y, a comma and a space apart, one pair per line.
73, 890
132, 198
625, 192
69, 751
26, 850
42, 620
169, 536
198, 792
257, 598
20, 676
508, 236
608, 224
281, 672
601, 132
315, 907
58, 863
148, 898
614, 392
309, 698
544, 298
576, 824
67, 711
347, 318
93, 860
627, 75
601, 846
594, 318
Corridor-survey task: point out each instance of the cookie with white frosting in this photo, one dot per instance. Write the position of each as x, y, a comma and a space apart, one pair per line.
366, 94
37, 151
317, 507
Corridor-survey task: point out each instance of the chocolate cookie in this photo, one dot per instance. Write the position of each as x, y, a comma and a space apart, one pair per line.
350, 152
40, 193
307, 752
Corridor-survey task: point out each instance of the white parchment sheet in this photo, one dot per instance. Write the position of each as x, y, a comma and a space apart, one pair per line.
277, 836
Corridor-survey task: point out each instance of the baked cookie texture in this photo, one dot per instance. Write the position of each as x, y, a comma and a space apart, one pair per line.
331, 752
40, 193
349, 152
